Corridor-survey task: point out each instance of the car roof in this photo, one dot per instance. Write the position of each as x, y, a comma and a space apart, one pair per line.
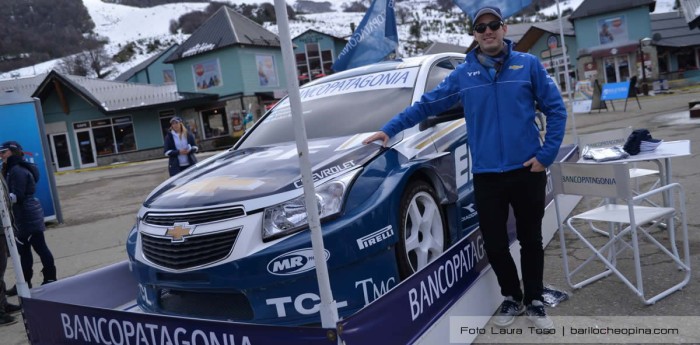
414, 61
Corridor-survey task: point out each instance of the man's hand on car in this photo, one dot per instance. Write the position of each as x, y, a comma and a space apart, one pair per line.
377, 136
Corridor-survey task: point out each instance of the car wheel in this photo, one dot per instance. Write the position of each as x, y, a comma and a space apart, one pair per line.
422, 230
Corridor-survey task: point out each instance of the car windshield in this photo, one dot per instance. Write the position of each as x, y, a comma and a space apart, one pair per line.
342, 107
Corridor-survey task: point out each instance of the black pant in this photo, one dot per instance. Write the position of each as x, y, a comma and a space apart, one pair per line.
3, 267
38, 242
178, 169
524, 191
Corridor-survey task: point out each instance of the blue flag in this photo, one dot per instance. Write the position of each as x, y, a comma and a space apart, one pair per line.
374, 38
508, 7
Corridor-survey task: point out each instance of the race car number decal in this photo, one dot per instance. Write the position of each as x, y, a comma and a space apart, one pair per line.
463, 161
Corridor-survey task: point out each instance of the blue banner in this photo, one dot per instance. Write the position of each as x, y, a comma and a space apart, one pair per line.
420, 300
373, 40
83, 309
507, 7
615, 91
21, 123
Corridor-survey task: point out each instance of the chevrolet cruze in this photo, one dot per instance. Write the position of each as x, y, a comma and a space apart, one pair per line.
228, 238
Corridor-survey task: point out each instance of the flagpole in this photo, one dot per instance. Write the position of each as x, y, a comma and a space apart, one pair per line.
5, 209
566, 71
328, 308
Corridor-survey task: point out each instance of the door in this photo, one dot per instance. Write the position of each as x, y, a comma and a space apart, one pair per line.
617, 69
86, 148
60, 151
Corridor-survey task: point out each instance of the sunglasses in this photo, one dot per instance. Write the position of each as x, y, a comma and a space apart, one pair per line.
494, 25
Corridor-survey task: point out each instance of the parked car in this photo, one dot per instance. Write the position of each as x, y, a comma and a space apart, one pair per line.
228, 239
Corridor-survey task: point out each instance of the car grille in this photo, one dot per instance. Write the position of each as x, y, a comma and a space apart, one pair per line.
192, 218
194, 251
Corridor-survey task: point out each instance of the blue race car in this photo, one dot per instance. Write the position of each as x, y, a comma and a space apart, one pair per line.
228, 239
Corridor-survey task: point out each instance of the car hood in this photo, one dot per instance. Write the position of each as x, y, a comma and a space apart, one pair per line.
259, 176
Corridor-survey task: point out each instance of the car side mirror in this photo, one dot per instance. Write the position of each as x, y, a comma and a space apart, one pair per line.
450, 115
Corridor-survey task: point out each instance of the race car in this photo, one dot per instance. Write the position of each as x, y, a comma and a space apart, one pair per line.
228, 238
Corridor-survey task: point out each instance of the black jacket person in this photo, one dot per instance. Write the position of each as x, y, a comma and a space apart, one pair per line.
21, 177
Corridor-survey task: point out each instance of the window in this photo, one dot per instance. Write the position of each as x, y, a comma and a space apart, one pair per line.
215, 124
616, 69
327, 59
335, 114
438, 73
663, 63
314, 63
104, 141
302, 68
686, 59
113, 135
124, 134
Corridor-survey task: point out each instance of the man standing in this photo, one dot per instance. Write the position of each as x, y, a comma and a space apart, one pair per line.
498, 88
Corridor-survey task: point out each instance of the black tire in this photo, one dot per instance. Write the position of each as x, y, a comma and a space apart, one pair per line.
423, 234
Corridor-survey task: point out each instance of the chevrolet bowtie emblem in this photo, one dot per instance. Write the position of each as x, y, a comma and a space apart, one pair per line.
515, 67
178, 233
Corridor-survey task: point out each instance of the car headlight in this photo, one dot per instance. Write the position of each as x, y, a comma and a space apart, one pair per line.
290, 216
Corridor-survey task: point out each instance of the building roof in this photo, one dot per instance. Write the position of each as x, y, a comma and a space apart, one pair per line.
321, 33
514, 33
691, 10
537, 30
224, 28
590, 8
440, 47
112, 96
671, 30
22, 86
142, 66
11, 97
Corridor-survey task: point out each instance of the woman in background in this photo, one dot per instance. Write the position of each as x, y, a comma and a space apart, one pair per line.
179, 147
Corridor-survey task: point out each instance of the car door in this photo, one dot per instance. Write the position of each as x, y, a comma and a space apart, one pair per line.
450, 135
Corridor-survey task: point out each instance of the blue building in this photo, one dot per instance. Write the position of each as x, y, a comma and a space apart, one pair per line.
151, 71
315, 53
229, 67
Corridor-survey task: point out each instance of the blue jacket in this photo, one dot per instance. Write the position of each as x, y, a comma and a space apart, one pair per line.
172, 152
499, 111
21, 178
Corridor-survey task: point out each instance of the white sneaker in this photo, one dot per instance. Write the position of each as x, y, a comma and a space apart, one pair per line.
508, 311
535, 313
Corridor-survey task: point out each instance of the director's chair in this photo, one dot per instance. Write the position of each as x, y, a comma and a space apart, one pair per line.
618, 137
627, 218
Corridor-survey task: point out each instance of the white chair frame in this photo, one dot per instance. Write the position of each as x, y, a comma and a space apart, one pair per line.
628, 220
618, 137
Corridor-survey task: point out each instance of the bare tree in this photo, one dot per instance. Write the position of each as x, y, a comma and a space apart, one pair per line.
100, 62
83, 64
73, 65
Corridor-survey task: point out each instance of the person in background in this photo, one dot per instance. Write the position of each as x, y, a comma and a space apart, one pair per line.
21, 178
179, 147
498, 88
6, 308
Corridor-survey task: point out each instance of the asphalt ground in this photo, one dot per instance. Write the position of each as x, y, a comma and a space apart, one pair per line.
99, 207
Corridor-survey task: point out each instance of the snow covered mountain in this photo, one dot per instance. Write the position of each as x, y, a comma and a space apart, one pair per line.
123, 24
